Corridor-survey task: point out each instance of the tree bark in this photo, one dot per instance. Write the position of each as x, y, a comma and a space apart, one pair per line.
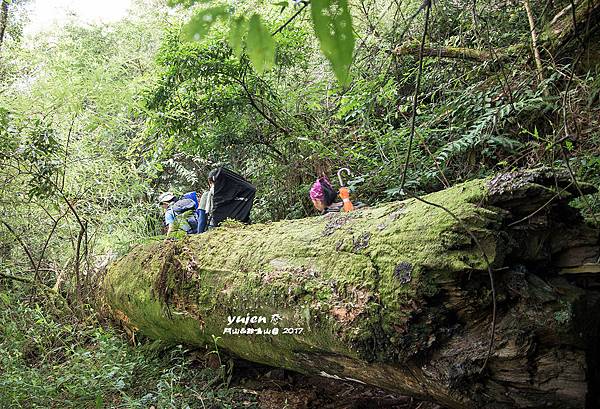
3, 20
534, 42
396, 296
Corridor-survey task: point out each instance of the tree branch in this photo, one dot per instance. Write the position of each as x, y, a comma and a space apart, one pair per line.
22, 243
17, 278
296, 14
259, 109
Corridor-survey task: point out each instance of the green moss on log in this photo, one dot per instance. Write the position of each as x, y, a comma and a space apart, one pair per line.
395, 295
353, 281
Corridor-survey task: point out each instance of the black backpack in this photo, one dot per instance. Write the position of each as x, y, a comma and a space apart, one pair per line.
233, 197
186, 214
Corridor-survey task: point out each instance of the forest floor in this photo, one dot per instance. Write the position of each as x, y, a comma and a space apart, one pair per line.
51, 359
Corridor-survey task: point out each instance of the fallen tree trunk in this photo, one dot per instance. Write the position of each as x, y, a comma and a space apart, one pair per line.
462, 53
569, 24
396, 296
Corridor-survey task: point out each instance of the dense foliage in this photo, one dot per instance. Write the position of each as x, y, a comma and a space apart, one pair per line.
52, 361
95, 121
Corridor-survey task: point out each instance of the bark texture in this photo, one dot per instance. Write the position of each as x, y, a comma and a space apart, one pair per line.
396, 296
3, 19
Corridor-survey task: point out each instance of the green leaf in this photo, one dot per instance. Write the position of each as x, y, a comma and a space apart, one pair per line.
333, 26
260, 45
99, 402
237, 29
201, 22
569, 145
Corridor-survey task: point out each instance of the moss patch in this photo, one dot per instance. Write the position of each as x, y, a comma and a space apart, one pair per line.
356, 282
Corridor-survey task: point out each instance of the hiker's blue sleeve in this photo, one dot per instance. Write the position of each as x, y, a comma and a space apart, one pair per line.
169, 217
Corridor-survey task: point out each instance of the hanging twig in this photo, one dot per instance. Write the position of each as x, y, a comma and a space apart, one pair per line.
416, 95
488, 266
458, 220
296, 14
529, 216
254, 104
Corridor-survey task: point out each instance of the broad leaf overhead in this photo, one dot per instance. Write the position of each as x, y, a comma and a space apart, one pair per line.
237, 29
333, 26
202, 21
260, 45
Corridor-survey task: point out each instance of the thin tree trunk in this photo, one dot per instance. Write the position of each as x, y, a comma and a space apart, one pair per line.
534, 42
3, 20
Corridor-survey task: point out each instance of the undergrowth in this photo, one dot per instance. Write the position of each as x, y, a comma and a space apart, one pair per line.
47, 361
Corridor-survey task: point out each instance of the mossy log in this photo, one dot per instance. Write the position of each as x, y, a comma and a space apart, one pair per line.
396, 296
470, 54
